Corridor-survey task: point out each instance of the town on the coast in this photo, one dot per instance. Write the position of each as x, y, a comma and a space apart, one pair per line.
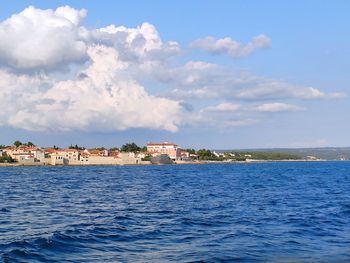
128, 154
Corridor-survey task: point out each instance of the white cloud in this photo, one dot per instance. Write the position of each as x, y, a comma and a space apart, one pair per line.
141, 45
278, 107
204, 81
223, 107
101, 100
218, 119
38, 39
98, 86
104, 96
231, 47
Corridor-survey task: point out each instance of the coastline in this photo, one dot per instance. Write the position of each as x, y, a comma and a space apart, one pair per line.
175, 164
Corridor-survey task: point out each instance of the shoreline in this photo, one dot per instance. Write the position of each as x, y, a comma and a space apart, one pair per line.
175, 164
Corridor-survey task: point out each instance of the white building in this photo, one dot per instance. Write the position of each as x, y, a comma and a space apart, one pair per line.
24, 153
67, 156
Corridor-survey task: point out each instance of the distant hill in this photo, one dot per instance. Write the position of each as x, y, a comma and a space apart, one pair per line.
325, 153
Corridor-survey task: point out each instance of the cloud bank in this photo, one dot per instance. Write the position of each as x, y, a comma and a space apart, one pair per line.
102, 96
55, 74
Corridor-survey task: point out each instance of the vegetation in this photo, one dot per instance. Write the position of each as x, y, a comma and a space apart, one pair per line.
19, 143
114, 149
30, 144
205, 154
130, 147
100, 148
147, 158
144, 149
76, 147
6, 159
259, 155
191, 151
326, 153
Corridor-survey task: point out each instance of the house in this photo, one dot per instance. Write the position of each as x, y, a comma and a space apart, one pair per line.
171, 149
114, 153
185, 155
96, 152
1, 153
96, 157
26, 153
128, 158
218, 154
64, 157
72, 155
57, 158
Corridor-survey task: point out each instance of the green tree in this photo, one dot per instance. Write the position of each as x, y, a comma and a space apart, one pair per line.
114, 149
30, 144
76, 147
100, 148
144, 149
204, 154
17, 143
130, 147
191, 151
6, 159
147, 158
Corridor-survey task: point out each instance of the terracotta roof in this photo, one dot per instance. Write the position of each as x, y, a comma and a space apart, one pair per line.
51, 150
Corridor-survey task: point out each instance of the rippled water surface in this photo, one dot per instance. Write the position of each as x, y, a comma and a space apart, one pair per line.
223, 212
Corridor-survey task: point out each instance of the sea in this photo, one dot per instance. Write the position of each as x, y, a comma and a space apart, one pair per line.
259, 212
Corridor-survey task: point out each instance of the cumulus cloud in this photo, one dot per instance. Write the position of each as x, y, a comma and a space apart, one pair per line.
42, 39
37, 39
100, 100
278, 107
104, 95
231, 47
141, 43
55, 74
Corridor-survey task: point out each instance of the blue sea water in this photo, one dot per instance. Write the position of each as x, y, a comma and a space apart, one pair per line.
269, 212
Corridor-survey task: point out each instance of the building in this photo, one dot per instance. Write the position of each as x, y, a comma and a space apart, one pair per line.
25, 153
97, 152
57, 158
171, 149
185, 155
64, 157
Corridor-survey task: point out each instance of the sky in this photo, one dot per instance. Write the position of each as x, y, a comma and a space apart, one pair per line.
202, 74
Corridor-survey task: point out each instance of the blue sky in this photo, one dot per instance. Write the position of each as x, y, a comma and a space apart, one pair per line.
289, 88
